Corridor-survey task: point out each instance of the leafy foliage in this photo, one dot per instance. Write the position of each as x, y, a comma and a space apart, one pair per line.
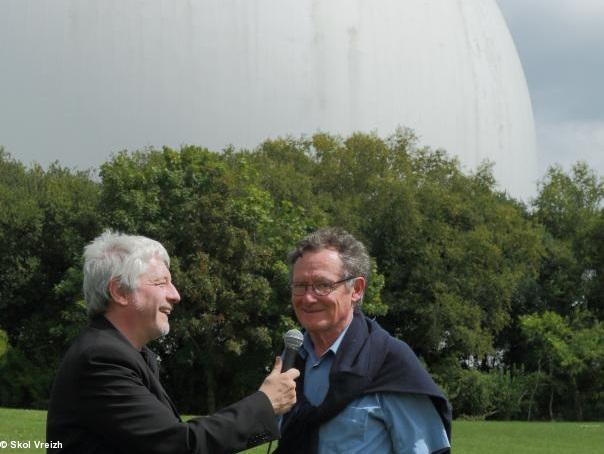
503, 302
46, 217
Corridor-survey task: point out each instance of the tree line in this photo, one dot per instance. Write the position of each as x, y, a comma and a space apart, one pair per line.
503, 301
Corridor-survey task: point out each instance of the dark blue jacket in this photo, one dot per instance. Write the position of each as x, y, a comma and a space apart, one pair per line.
368, 361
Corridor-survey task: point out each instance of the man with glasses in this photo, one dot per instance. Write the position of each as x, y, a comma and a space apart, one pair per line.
360, 389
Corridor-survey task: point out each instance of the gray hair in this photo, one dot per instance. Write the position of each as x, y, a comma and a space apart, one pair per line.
114, 255
352, 252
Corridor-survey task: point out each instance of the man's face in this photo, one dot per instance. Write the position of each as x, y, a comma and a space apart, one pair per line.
154, 300
324, 315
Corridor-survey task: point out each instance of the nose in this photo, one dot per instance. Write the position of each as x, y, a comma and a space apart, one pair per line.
173, 296
308, 296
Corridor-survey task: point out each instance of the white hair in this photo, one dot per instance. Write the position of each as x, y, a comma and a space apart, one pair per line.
114, 255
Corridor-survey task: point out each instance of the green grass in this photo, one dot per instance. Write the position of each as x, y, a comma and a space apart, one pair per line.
469, 437
510, 437
30, 425
22, 425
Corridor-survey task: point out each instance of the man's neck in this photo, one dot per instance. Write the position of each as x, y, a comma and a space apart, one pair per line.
323, 340
125, 328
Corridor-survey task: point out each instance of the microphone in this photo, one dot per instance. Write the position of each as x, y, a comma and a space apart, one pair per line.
293, 340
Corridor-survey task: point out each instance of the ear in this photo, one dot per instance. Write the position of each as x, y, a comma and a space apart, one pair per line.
358, 289
119, 295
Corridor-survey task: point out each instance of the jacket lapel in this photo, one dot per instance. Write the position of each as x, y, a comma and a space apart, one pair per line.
146, 360
156, 386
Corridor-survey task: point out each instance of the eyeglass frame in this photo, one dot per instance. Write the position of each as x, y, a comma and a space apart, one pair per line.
332, 287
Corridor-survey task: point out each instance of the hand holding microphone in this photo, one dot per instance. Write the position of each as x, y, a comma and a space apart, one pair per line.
280, 386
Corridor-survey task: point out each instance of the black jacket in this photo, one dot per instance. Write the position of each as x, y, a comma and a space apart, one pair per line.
107, 398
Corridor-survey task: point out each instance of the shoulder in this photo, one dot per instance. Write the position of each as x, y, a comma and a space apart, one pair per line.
415, 405
99, 349
95, 341
400, 369
401, 349
394, 349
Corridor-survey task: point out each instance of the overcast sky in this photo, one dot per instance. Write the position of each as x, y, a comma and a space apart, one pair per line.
561, 46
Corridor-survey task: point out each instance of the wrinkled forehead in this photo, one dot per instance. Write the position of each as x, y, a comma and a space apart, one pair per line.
155, 268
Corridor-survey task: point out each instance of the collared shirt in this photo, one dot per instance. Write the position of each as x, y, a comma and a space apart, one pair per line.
374, 423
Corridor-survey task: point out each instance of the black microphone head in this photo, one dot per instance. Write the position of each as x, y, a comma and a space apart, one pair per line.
293, 339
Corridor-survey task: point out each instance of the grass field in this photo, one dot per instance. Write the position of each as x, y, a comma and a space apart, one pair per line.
469, 437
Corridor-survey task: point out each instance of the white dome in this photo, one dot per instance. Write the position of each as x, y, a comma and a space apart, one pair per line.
83, 78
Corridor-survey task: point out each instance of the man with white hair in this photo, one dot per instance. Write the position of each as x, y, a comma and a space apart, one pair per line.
107, 397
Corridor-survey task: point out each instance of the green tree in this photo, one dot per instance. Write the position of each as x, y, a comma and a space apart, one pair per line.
452, 249
46, 216
227, 237
569, 206
571, 353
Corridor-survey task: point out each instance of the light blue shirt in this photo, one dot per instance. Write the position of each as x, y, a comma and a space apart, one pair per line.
380, 423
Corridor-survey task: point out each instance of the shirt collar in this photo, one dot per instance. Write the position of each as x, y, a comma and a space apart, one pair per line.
308, 347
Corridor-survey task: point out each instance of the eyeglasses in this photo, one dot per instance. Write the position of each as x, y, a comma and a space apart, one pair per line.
318, 288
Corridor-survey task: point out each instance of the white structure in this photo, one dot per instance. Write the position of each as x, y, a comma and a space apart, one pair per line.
80, 79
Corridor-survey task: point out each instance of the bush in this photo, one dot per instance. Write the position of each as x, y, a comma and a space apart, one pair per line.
22, 383
479, 395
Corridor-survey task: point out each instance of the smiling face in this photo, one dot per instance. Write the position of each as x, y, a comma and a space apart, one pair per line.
324, 317
153, 301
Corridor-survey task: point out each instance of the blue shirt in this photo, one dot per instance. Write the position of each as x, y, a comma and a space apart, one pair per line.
374, 423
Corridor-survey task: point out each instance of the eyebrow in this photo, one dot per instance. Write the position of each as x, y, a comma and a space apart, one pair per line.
159, 278
315, 281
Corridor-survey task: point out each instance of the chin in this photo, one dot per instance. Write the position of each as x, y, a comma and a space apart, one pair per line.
315, 326
163, 329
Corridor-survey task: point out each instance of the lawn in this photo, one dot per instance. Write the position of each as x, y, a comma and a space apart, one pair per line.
469, 437
511, 437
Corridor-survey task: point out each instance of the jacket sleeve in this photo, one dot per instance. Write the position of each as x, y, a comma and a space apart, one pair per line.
117, 405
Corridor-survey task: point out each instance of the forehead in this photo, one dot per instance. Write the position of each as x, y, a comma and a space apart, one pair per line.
325, 262
156, 268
